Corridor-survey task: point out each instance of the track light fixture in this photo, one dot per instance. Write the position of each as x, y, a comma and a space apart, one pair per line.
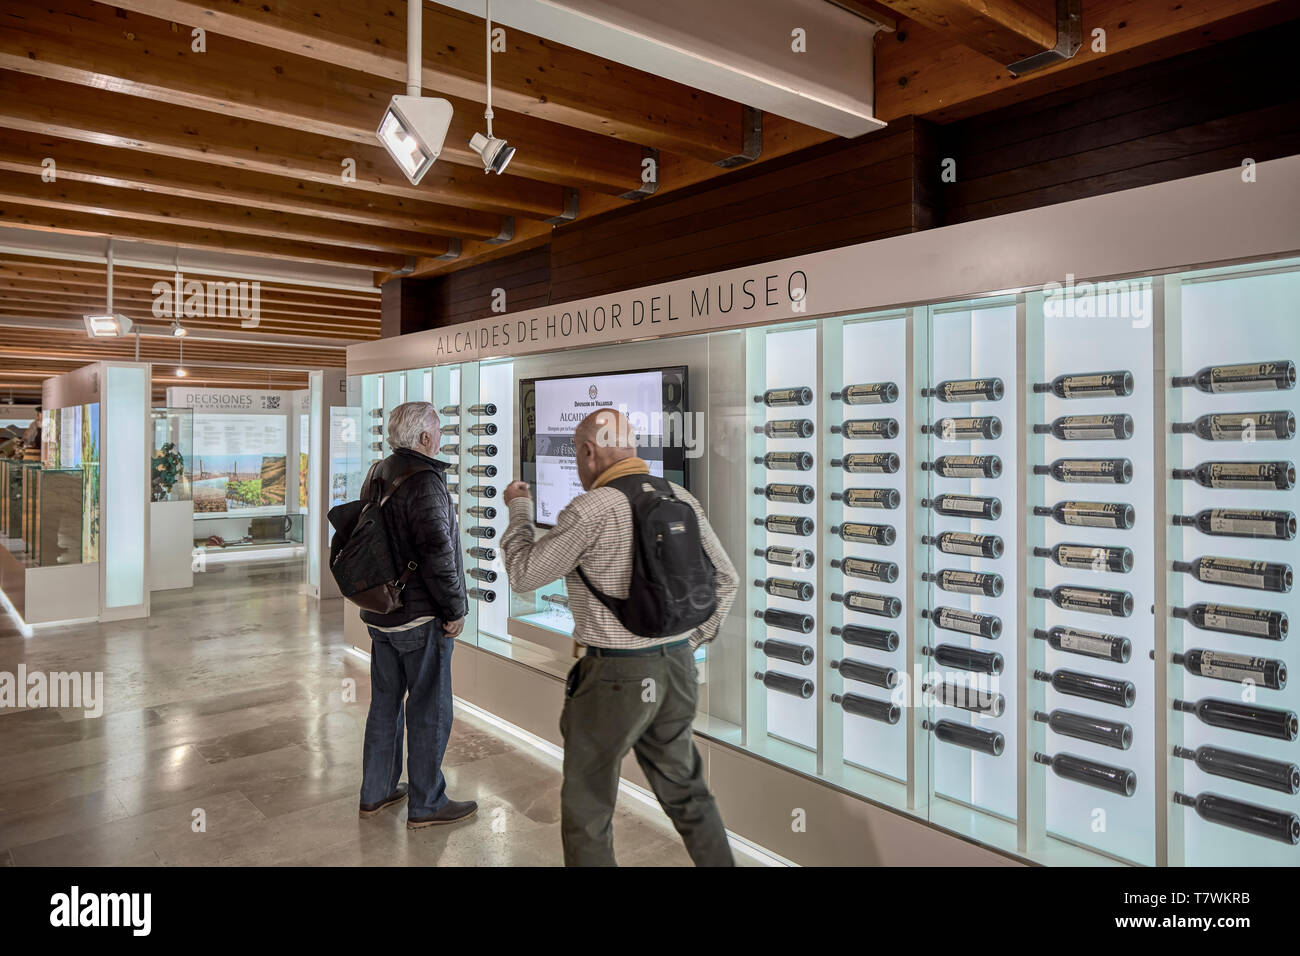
413, 127
178, 330
496, 155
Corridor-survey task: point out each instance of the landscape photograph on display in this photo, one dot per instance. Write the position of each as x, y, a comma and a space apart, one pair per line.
239, 464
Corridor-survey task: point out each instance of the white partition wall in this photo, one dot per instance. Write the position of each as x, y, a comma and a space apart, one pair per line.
124, 476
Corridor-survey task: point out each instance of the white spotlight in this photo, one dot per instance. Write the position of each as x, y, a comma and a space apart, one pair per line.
412, 131
177, 329
106, 325
495, 153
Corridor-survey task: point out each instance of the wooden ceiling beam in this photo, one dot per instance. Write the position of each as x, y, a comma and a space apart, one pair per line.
1005, 31
71, 311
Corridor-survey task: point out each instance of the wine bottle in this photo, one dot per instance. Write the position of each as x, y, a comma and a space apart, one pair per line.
786, 620
967, 390
1093, 471
483, 491
964, 429
786, 683
1091, 773
445, 410
881, 710
451, 448
485, 532
786, 461
1250, 377
1280, 825
963, 542
482, 471
786, 650
965, 506
1241, 523
965, 466
482, 554
785, 397
965, 622
1241, 426
876, 463
868, 570
1238, 573
1279, 775
1247, 718
1243, 621
486, 595
882, 605
786, 557
1221, 665
1089, 428
486, 575
1109, 733
1104, 690
483, 428
1073, 640
376, 429
966, 658
452, 429
1089, 514
1089, 385
486, 512
793, 494
867, 429
964, 735
786, 588
874, 674
483, 451
875, 638
886, 498
1074, 597
786, 428
865, 533
1263, 475
949, 693
1088, 557
559, 600
966, 582
877, 393
786, 524
483, 410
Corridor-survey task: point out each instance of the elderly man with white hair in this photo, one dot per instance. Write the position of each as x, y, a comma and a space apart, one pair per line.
410, 657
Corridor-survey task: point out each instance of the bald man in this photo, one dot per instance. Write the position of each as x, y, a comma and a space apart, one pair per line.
627, 692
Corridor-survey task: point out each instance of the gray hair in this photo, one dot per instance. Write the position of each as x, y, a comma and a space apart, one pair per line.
407, 421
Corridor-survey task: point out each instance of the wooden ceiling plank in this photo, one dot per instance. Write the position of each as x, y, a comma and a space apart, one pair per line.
1005, 31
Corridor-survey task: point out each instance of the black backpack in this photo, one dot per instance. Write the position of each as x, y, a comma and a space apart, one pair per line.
362, 557
673, 581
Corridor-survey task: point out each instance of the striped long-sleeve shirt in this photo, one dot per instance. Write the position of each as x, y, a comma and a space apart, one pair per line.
595, 530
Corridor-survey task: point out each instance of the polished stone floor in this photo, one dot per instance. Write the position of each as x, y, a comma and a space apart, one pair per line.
228, 738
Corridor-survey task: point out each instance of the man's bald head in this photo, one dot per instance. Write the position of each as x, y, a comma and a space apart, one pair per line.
602, 439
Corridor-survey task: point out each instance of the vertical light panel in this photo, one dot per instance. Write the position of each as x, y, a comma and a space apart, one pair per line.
125, 480
316, 466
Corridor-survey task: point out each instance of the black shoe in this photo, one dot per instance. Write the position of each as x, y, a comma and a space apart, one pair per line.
453, 811
397, 796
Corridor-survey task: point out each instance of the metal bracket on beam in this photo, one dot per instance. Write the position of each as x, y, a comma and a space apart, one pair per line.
570, 207
646, 188
453, 250
752, 123
1069, 38
506, 234
406, 270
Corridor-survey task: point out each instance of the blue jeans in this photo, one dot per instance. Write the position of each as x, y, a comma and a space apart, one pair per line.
410, 671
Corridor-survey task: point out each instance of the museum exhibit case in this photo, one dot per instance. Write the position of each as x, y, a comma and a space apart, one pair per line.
171, 505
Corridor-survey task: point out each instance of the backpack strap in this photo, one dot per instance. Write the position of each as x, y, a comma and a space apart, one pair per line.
630, 485
411, 566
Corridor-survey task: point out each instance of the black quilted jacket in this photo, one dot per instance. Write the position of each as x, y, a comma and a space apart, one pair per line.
422, 522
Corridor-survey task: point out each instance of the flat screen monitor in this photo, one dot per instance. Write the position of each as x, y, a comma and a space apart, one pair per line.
551, 408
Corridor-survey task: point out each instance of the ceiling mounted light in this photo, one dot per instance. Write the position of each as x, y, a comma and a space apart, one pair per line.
178, 330
414, 126
496, 155
107, 324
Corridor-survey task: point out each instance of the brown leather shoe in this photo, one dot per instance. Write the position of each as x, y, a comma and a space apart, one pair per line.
397, 796
454, 810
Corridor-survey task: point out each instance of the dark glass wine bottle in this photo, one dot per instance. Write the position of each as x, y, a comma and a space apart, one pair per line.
1073, 640
1239, 573
972, 697
1247, 718
451, 448
1091, 773
482, 428
867, 429
876, 393
885, 572
1280, 825
1089, 428
1263, 475
1104, 690
1240, 426
792, 494
964, 735
445, 410
486, 512
785, 397
1089, 514
1109, 733
486, 595
786, 683
483, 451
786, 524
875, 638
452, 429
786, 620
479, 553
963, 542
486, 575
1089, 385
874, 674
786, 588
483, 491
865, 533
482, 471
882, 605
483, 410
875, 463
786, 428
1243, 621
786, 650
786, 557
966, 582
1241, 523
886, 498
965, 466
882, 710
967, 390
484, 532
1092, 471
1250, 377
965, 429
1074, 597
1087, 557
1279, 775
1221, 665
965, 506
966, 658
965, 622
786, 461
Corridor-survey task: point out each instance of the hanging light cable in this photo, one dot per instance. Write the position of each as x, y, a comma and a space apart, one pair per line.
180, 368
496, 155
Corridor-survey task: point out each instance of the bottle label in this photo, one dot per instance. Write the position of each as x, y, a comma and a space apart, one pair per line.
1234, 426
963, 503
1231, 666
962, 466
1225, 521
955, 391
1243, 378
1090, 471
1233, 571
862, 568
859, 601
1077, 386
865, 497
1221, 617
861, 463
1081, 556
1089, 514
1088, 426
864, 394
954, 620
1081, 642
851, 531
960, 542
964, 582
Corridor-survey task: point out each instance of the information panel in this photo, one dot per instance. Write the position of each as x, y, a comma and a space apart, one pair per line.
239, 464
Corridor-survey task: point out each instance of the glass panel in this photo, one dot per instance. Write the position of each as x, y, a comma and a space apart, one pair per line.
173, 445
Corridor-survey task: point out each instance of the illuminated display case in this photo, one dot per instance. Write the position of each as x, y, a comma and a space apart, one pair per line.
173, 448
998, 569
